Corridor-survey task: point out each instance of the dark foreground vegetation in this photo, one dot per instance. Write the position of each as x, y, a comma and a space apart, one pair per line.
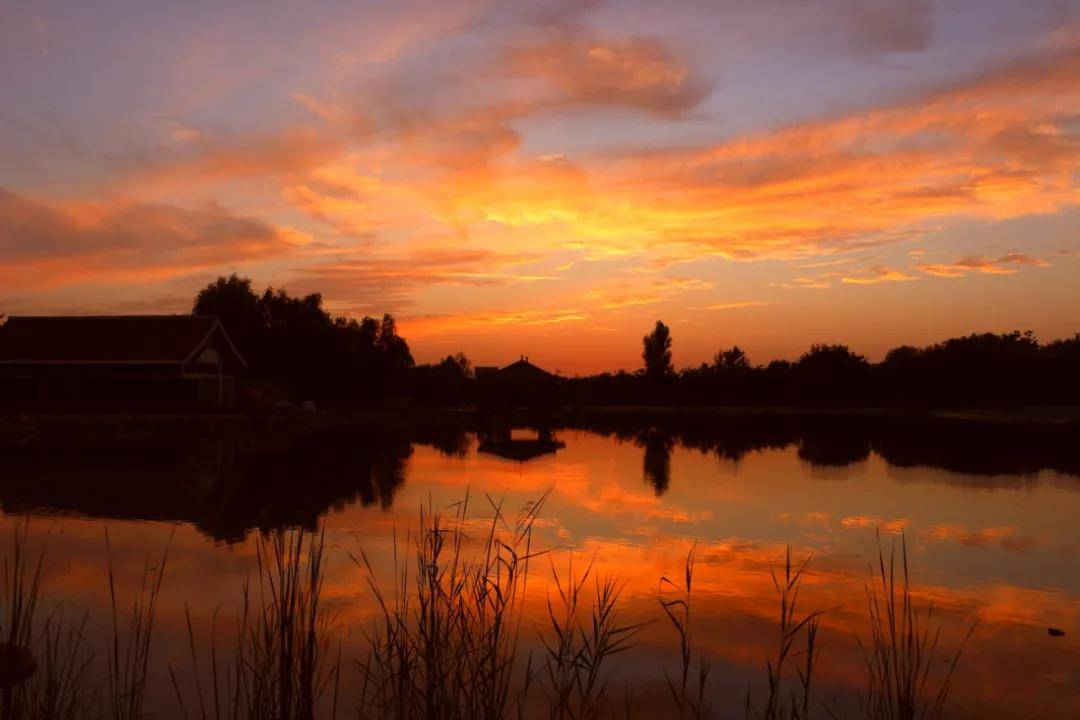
449, 641
297, 350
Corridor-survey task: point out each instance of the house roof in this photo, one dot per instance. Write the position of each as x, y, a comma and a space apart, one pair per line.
110, 339
523, 371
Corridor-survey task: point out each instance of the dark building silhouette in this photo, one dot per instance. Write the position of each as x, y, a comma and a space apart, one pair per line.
520, 384
148, 363
502, 443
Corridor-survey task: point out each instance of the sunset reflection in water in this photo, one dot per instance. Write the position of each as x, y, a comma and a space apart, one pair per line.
998, 549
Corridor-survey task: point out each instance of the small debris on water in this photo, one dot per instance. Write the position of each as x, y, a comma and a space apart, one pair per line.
1055, 632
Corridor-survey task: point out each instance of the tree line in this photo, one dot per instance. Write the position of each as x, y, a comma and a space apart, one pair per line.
295, 349
984, 369
295, 344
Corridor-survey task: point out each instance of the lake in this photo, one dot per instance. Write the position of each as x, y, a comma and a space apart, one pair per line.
989, 515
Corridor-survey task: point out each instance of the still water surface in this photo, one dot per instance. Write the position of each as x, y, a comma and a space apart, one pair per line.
998, 545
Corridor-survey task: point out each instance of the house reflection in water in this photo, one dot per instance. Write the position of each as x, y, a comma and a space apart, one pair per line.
507, 443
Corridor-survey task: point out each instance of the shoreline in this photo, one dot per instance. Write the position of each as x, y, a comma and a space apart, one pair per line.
1033, 415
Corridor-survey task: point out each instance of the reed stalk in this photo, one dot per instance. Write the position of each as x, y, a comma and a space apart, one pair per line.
904, 680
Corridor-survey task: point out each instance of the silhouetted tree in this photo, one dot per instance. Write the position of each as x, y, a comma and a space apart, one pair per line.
446, 382
830, 374
396, 357
1002, 369
733, 359
337, 360
292, 340
236, 304
1061, 376
656, 352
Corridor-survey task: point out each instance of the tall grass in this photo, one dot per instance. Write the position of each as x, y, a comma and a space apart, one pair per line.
62, 688
282, 665
54, 654
903, 676
286, 656
129, 647
689, 700
46, 661
446, 642
790, 700
579, 642
19, 592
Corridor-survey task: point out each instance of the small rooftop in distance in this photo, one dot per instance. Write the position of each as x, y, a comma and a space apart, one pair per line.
521, 371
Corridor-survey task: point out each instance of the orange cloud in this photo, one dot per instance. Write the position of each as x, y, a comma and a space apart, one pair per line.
387, 281
623, 300
732, 305
805, 282
992, 148
878, 274
1004, 265
51, 244
995, 147
639, 73
204, 159
622, 296
445, 160
431, 325
827, 263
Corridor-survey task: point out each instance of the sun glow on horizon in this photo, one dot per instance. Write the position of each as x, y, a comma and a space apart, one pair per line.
508, 179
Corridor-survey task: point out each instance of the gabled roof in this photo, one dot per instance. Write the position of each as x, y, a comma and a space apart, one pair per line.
523, 371
120, 339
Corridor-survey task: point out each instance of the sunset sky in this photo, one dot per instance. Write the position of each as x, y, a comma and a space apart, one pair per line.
551, 178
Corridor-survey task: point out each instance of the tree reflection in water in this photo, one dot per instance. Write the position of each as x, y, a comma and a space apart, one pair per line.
228, 481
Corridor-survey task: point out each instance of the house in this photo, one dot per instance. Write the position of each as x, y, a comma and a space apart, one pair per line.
145, 363
520, 384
